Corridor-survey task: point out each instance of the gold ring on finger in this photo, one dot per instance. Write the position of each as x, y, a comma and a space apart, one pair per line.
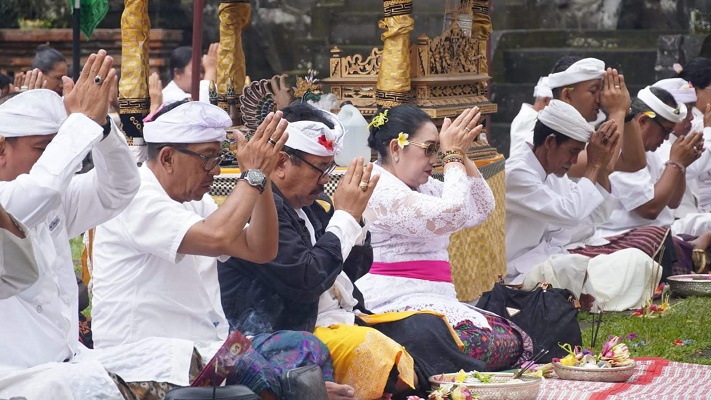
467, 129
617, 86
363, 186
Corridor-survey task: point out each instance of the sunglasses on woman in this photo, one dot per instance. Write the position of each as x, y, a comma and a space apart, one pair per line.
429, 148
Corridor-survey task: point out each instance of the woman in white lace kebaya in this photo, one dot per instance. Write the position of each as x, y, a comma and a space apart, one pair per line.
412, 216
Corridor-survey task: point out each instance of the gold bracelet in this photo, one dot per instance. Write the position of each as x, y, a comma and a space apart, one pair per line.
453, 152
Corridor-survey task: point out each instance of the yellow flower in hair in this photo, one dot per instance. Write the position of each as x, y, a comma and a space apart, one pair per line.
650, 114
379, 120
402, 140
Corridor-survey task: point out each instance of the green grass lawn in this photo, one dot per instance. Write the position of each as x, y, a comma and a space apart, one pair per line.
77, 246
685, 321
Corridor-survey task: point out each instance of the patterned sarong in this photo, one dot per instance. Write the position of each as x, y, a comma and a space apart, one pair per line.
259, 368
502, 347
648, 239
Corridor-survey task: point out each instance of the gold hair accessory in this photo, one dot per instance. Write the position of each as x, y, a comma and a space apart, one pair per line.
650, 114
379, 120
402, 140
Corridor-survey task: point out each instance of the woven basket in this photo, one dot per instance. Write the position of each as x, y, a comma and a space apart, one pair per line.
478, 255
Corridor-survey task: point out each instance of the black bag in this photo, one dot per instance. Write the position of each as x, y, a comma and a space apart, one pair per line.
303, 383
232, 392
548, 315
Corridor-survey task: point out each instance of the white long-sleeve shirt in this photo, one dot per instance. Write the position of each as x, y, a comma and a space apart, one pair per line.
546, 214
56, 205
415, 225
172, 93
522, 129
633, 190
18, 266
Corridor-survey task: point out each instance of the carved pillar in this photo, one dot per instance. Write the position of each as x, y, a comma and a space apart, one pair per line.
393, 86
481, 30
134, 100
231, 66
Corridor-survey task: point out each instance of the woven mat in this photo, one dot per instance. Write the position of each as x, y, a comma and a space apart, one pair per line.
654, 378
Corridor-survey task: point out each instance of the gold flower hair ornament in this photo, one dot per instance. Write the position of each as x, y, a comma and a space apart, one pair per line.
402, 140
379, 120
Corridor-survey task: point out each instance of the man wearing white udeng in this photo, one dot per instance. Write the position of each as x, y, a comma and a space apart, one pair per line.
548, 215
41, 149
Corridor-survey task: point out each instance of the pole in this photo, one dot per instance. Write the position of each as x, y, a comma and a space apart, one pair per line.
76, 41
198, 9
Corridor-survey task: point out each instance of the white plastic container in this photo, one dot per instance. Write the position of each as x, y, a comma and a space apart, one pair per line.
355, 141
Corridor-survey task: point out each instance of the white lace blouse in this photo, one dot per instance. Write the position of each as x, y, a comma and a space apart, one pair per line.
411, 225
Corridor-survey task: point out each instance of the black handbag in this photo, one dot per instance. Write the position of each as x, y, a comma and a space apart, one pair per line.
303, 383
232, 392
548, 315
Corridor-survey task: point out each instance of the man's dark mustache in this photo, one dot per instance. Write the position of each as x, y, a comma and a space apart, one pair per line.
319, 189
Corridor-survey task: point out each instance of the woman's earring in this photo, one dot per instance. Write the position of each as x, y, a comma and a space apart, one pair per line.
396, 159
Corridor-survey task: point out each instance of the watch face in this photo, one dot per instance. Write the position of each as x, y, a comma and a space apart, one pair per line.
256, 176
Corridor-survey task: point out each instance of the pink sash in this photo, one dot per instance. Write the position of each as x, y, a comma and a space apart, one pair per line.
428, 270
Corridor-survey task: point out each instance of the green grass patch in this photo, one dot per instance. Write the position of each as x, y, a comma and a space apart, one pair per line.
655, 337
77, 245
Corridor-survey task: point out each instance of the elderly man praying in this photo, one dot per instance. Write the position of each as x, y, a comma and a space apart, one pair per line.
41, 148
156, 313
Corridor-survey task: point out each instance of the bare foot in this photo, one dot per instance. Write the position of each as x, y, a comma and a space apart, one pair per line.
339, 392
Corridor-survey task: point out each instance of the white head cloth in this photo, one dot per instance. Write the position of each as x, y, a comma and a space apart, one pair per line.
565, 119
542, 90
683, 91
34, 112
671, 114
583, 70
192, 122
316, 138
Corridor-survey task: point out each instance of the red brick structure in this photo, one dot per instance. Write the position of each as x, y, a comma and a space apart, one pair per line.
17, 46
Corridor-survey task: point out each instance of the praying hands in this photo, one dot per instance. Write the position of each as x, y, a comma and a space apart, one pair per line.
90, 95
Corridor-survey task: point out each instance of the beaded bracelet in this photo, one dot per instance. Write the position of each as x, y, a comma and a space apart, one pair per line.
677, 165
451, 160
450, 156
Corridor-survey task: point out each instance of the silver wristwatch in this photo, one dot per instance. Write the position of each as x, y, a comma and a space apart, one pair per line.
255, 178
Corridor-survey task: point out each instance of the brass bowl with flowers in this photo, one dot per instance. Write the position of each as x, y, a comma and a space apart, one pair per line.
498, 385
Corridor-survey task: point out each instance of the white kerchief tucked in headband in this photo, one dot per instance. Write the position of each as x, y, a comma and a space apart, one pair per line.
542, 89
565, 119
316, 138
671, 114
192, 122
34, 112
682, 90
583, 70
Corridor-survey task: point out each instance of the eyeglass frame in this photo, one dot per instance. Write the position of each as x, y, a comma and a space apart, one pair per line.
664, 128
328, 171
205, 159
425, 146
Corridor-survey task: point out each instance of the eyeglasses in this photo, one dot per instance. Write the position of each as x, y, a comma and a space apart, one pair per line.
323, 172
665, 130
208, 162
429, 148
